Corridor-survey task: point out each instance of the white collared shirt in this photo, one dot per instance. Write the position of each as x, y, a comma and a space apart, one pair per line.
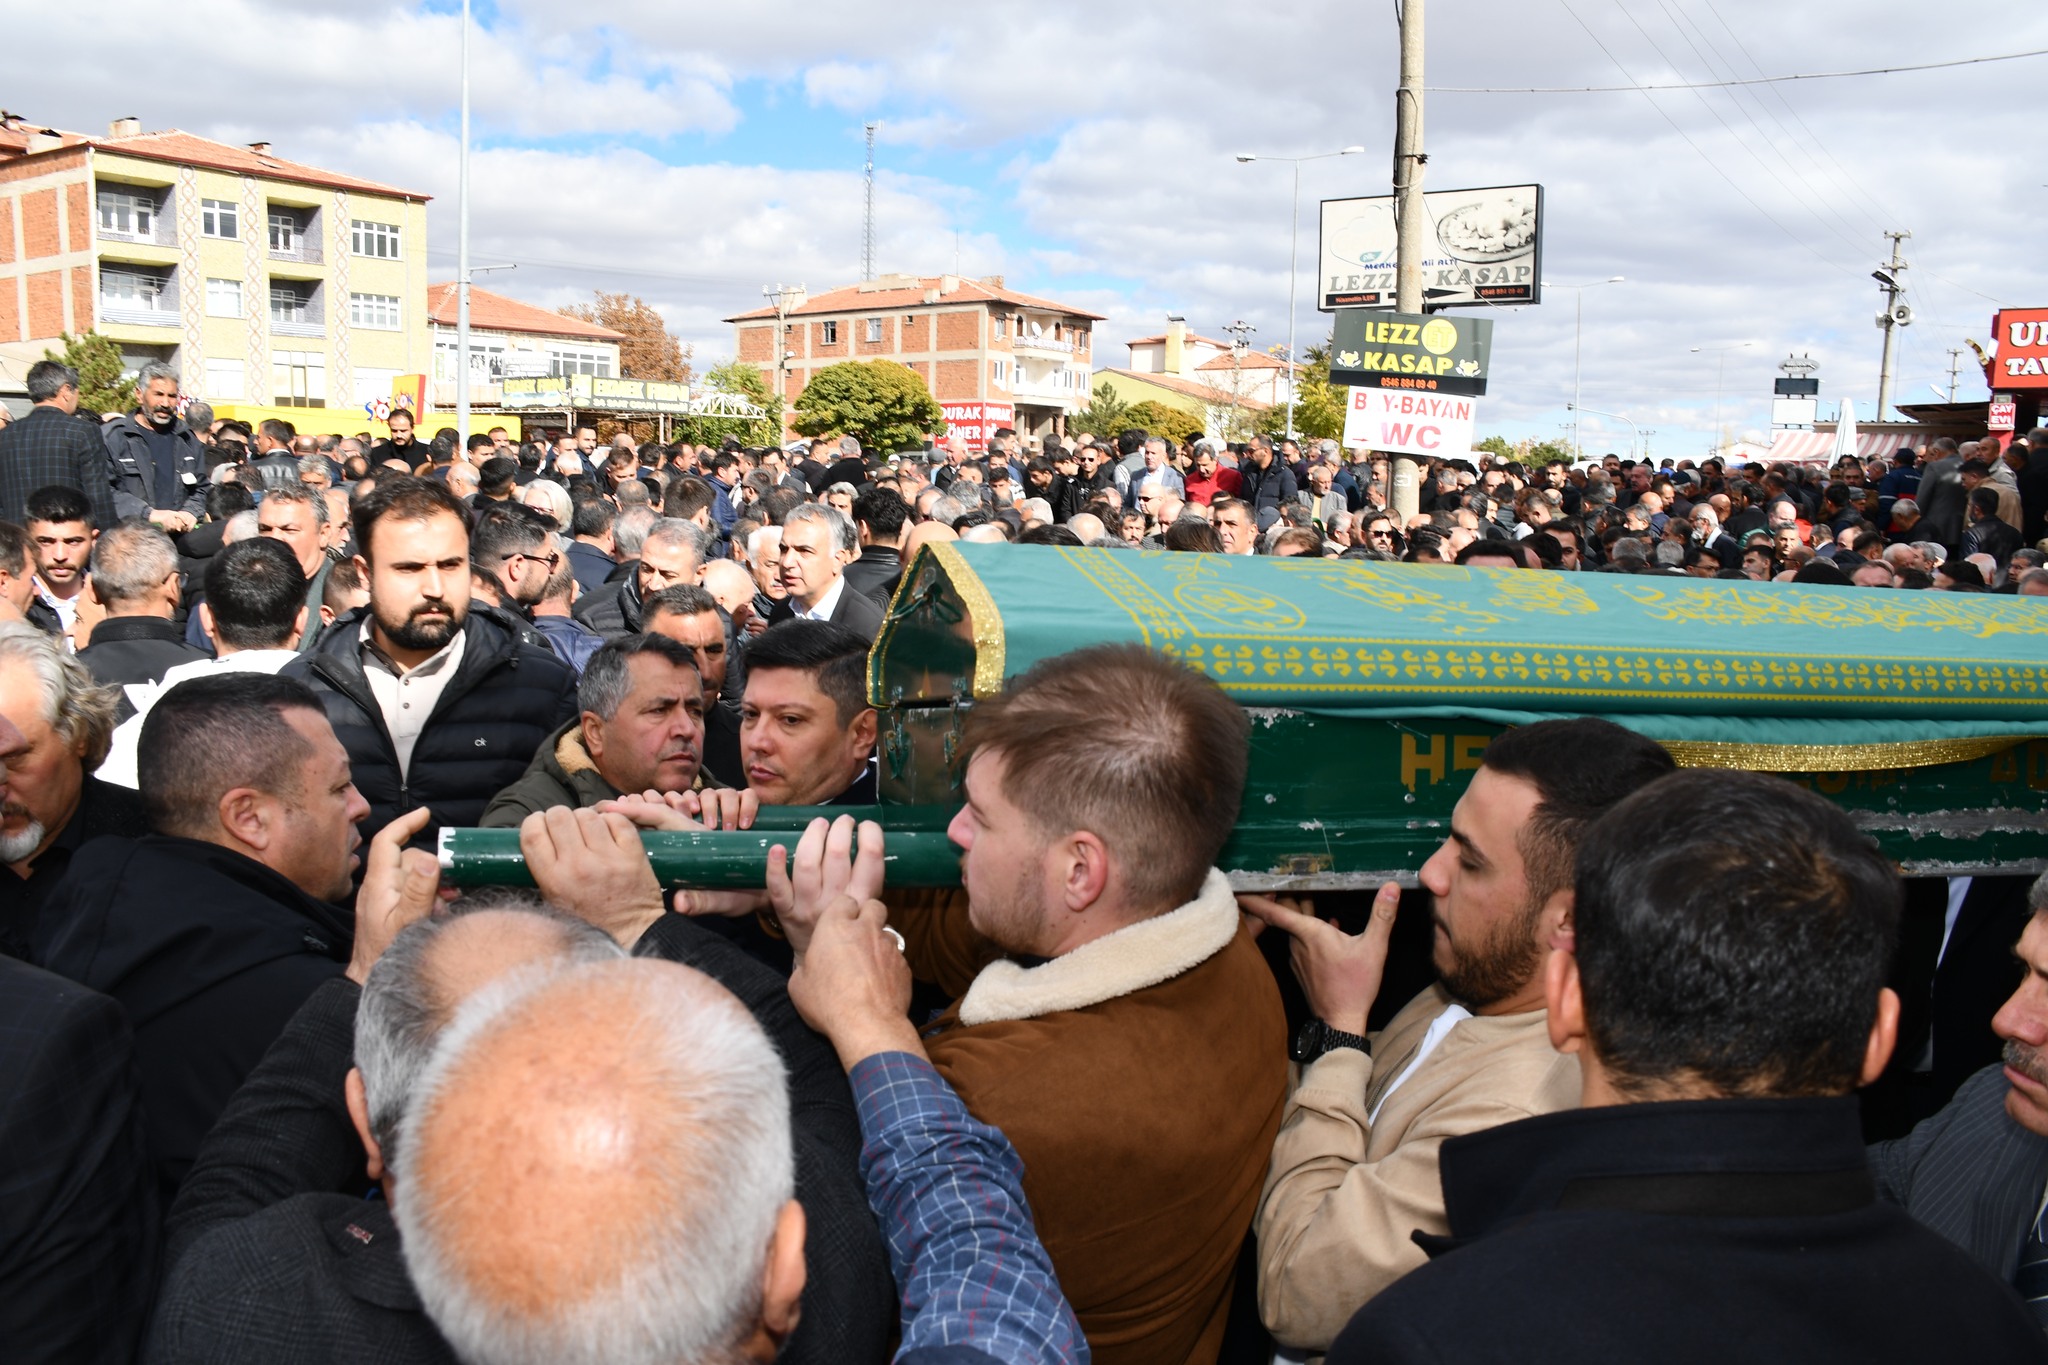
408, 698
826, 604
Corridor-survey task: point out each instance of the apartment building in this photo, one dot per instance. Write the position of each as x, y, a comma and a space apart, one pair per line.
266, 282
993, 357
510, 339
1201, 375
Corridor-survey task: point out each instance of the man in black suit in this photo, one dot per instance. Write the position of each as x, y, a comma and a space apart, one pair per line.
879, 516
78, 1224
1976, 1171
1941, 494
51, 445
818, 542
1724, 991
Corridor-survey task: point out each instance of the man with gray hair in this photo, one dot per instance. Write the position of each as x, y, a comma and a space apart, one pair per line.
51, 445
818, 542
135, 577
159, 467
59, 724
672, 552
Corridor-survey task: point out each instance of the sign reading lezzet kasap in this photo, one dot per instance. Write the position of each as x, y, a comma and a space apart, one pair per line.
1485, 247
1409, 423
1428, 354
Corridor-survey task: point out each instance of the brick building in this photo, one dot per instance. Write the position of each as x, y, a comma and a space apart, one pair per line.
264, 281
993, 357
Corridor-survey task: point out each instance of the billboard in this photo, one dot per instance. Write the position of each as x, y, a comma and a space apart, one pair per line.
2021, 361
1409, 423
1484, 247
975, 422
597, 393
1410, 351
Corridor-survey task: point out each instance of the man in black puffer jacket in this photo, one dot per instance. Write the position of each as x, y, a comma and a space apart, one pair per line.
438, 703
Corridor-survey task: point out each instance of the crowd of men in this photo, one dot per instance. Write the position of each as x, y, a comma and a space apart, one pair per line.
273, 1094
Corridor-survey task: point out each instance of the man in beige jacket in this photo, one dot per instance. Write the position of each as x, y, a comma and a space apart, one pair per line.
1354, 1170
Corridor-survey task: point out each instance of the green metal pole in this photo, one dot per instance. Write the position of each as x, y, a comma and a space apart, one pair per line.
710, 860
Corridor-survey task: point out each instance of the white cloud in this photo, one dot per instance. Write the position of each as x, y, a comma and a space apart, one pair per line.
845, 86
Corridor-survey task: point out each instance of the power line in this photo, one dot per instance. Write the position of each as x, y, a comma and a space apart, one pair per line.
1716, 85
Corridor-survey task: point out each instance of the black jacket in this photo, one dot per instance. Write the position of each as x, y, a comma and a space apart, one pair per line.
504, 699
78, 1224
209, 952
134, 471
1944, 502
855, 610
103, 808
1989, 537
877, 572
1691, 1231
1270, 488
48, 446
613, 611
135, 649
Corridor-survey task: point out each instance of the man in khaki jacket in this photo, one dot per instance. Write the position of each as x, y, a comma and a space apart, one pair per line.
1354, 1170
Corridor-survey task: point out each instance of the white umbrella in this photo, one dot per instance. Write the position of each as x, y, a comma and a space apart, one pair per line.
1845, 432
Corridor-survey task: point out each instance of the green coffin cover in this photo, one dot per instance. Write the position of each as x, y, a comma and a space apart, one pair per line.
1686, 660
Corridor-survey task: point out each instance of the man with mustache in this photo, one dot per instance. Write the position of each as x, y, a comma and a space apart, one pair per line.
214, 927
437, 701
1976, 1172
158, 465
1354, 1170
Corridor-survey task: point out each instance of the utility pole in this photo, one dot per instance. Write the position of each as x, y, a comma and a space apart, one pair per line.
867, 235
1408, 215
1648, 432
780, 295
462, 253
1240, 342
1955, 364
1894, 316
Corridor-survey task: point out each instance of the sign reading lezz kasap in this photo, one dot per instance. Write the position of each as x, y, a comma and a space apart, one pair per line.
1430, 353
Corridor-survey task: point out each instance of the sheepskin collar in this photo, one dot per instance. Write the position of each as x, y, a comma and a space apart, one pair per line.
1117, 964
570, 754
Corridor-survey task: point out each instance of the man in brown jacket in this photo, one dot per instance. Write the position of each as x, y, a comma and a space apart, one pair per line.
1355, 1168
1112, 1016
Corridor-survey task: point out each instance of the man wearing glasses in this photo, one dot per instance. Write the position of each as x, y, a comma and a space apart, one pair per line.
1381, 536
511, 558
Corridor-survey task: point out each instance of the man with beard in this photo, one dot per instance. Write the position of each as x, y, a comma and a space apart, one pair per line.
438, 703
159, 467
1354, 1170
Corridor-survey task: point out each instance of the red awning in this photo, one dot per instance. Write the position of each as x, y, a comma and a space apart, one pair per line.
1815, 447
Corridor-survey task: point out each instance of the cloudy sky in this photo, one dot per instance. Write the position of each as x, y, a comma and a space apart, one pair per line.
695, 154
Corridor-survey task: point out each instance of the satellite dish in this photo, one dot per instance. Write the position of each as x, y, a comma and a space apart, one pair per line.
1037, 329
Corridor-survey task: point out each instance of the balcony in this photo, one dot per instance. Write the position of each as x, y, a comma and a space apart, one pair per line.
1045, 394
302, 251
1044, 345
128, 315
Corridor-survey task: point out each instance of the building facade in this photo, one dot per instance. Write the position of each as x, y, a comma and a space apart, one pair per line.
1223, 386
263, 281
992, 357
510, 339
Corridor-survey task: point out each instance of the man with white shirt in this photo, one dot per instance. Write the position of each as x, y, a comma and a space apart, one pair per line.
817, 545
254, 611
1354, 1170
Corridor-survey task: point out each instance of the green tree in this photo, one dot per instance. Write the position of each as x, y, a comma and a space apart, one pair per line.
884, 404
1163, 419
1497, 445
1105, 415
742, 381
1318, 404
103, 383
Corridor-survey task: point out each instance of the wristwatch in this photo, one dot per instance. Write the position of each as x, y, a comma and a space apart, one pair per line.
1317, 1037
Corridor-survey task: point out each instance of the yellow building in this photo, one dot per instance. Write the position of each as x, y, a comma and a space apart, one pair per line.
264, 282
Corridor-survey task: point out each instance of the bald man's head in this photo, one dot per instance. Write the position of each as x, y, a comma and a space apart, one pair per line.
593, 1167
729, 583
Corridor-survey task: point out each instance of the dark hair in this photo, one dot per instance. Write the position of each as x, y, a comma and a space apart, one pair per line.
59, 503
1492, 549
1579, 768
223, 500
498, 473
591, 517
1963, 572
277, 429
684, 599
1985, 499
1547, 548
1188, 533
883, 510
1157, 771
47, 377
406, 497
836, 656
344, 576
684, 499
1057, 535
505, 529
777, 503
1732, 929
254, 589
207, 736
14, 549
607, 677
477, 441
1821, 571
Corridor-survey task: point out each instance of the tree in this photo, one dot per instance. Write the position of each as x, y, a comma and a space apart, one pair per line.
649, 351
886, 406
103, 382
1318, 404
742, 381
1163, 419
1496, 445
1105, 415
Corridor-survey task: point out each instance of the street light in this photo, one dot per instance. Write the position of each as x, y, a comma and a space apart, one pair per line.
1720, 367
1293, 253
1578, 331
1635, 432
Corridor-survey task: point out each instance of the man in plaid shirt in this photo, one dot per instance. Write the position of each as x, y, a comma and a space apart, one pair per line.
51, 445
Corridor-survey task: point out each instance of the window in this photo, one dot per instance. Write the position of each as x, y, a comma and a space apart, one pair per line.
218, 218
224, 299
575, 360
829, 332
226, 381
134, 291
378, 312
298, 379
127, 213
1002, 327
999, 372
284, 231
874, 329
486, 359
378, 240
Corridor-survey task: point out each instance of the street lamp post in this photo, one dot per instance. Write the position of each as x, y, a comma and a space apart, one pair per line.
1578, 332
1635, 432
1293, 256
1720, 354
